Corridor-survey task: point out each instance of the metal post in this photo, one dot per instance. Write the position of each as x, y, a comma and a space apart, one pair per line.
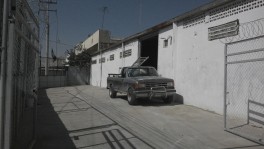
9, 87
248, 111
101, 65
225, 87
3, 70
174, 53
123, 50
47, 41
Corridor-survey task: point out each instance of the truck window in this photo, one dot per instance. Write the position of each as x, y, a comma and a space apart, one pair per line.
136, 72
123, 73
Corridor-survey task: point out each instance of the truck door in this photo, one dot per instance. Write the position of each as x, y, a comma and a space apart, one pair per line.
123, 77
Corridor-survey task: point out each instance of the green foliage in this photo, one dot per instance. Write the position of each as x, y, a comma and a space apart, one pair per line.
82, 60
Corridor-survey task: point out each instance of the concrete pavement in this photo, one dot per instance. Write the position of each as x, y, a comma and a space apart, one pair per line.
85, 117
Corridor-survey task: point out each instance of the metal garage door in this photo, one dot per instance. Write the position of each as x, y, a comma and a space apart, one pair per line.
244, 88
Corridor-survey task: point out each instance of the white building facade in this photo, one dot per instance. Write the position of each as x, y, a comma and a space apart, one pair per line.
181, 49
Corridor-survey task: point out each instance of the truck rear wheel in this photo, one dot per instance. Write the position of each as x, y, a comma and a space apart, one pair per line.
131, 98
112, 92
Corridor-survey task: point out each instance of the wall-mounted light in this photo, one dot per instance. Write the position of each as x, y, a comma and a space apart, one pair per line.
166, 41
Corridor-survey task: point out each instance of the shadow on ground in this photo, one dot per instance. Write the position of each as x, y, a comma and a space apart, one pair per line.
177, 100
51, 132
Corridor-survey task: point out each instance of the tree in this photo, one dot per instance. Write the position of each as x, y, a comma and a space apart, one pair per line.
82, 60
71, 57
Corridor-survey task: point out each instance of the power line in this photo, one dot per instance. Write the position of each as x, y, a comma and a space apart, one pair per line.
61, 43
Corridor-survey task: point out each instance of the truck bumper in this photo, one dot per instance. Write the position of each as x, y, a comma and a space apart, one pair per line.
155, 93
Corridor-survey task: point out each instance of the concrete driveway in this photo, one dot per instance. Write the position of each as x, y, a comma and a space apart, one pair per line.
85, 117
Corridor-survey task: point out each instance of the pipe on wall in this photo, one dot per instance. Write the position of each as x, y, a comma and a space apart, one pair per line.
6, 5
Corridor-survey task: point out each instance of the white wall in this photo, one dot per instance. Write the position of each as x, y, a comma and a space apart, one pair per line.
112, 66
95, 72
165, 54
91, 41
199, 71
195, 64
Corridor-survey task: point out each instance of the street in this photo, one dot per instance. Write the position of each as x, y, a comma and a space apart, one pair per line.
86, 117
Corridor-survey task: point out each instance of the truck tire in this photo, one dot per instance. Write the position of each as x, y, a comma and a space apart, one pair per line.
131, 98
168, 100
112, 92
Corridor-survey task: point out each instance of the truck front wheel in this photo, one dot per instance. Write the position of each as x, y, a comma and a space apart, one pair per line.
112, 92
131, 98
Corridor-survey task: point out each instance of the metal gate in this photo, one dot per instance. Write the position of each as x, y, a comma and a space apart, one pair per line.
244, 88
19, 76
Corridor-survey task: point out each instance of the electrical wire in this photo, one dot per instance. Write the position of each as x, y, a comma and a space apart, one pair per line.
61, 43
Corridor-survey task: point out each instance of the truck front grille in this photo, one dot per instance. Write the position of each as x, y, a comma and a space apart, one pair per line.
154, 84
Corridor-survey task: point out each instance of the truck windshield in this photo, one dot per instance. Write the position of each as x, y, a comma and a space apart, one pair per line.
136, 72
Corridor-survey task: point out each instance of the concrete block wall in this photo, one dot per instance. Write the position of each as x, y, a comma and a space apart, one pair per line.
52, 81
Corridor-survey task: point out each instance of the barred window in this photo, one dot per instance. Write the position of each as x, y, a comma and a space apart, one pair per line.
127, 53
165, 43
102, 60
112, 57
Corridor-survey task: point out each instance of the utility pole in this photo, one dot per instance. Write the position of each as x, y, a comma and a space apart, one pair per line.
47, 41
104, 11
47, 10
99, 45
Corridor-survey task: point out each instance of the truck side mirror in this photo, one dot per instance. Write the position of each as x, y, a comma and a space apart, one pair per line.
123, 75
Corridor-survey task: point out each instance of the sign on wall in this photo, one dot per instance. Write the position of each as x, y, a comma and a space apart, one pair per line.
224, 30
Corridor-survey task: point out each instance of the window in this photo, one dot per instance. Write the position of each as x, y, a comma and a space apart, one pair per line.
223, 30
112, 57
135, 72
94, 61
127, 53
165, 43
102, 60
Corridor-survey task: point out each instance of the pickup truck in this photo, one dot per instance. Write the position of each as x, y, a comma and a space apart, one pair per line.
140, 82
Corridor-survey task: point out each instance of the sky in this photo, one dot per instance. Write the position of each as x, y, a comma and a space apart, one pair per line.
75, 20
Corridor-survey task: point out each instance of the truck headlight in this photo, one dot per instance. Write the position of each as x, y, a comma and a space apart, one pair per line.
139, 85
170, 84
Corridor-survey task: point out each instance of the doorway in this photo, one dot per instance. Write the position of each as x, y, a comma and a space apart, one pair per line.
149, 48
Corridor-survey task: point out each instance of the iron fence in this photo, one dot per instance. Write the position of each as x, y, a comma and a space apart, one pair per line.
56, 67
21, 79
244, 88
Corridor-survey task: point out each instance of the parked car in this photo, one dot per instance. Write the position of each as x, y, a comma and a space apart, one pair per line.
140, 82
